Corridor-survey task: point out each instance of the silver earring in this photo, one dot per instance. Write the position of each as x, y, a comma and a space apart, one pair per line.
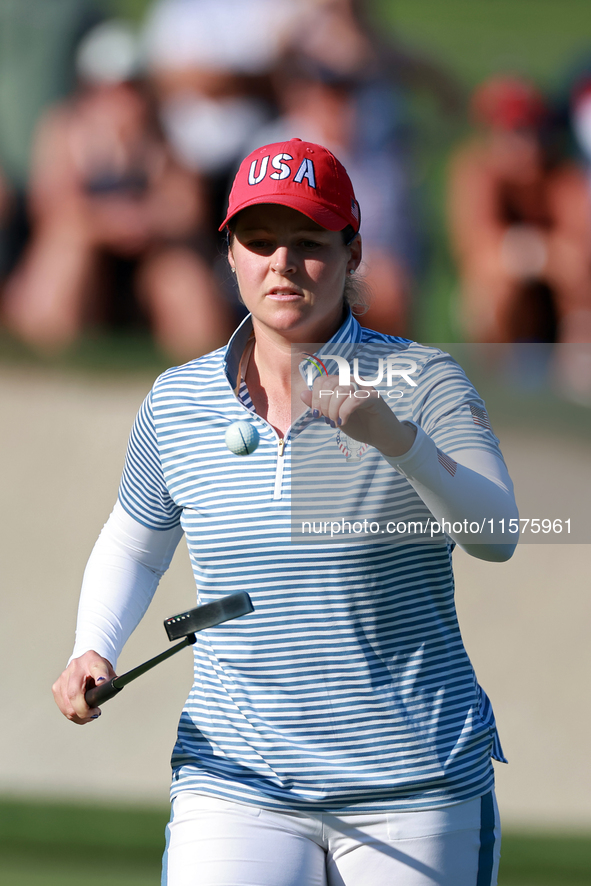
351, 271
233, 270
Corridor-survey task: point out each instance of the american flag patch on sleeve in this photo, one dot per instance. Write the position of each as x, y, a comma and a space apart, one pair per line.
480, 416
448, 463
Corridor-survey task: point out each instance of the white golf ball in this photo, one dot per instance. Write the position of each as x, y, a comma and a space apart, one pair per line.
242, 438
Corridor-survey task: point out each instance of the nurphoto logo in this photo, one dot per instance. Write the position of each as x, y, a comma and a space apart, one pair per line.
389, 367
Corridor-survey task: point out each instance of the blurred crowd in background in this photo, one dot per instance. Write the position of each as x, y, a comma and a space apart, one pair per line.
119, 142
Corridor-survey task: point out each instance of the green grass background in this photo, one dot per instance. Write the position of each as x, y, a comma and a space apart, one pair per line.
56, 844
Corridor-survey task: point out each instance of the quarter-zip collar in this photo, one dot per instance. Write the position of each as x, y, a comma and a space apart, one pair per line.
349, 333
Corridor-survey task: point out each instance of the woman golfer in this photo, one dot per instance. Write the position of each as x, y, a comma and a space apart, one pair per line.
338, 734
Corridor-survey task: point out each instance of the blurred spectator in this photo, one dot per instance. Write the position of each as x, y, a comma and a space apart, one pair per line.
520, 223
37, 47
209, 63
345, 34
115, 219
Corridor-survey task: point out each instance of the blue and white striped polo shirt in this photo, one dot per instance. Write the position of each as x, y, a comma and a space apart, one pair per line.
348, 688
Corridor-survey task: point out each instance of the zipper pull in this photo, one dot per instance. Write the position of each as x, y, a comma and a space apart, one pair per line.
281, 444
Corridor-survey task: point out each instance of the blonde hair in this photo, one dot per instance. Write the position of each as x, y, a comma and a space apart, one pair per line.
357, 294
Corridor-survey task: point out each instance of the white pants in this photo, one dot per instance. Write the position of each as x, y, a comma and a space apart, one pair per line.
213, 842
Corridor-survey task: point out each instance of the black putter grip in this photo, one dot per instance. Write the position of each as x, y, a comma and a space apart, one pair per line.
98, 694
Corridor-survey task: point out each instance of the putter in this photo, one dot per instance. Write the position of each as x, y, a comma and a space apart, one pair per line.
186, 625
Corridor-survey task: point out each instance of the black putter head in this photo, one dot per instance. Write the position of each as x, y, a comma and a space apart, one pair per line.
208, 615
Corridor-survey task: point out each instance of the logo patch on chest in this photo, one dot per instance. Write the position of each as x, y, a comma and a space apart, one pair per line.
351, 449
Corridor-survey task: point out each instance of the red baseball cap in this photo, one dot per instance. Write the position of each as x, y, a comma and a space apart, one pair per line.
299, 174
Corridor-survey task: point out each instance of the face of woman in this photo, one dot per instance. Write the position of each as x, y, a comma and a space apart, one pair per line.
291, 272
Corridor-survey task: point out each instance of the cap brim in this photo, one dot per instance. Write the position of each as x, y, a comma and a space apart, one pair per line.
322, 215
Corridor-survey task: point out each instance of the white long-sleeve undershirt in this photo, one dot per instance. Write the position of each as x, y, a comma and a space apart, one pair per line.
120, 579
480, 491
